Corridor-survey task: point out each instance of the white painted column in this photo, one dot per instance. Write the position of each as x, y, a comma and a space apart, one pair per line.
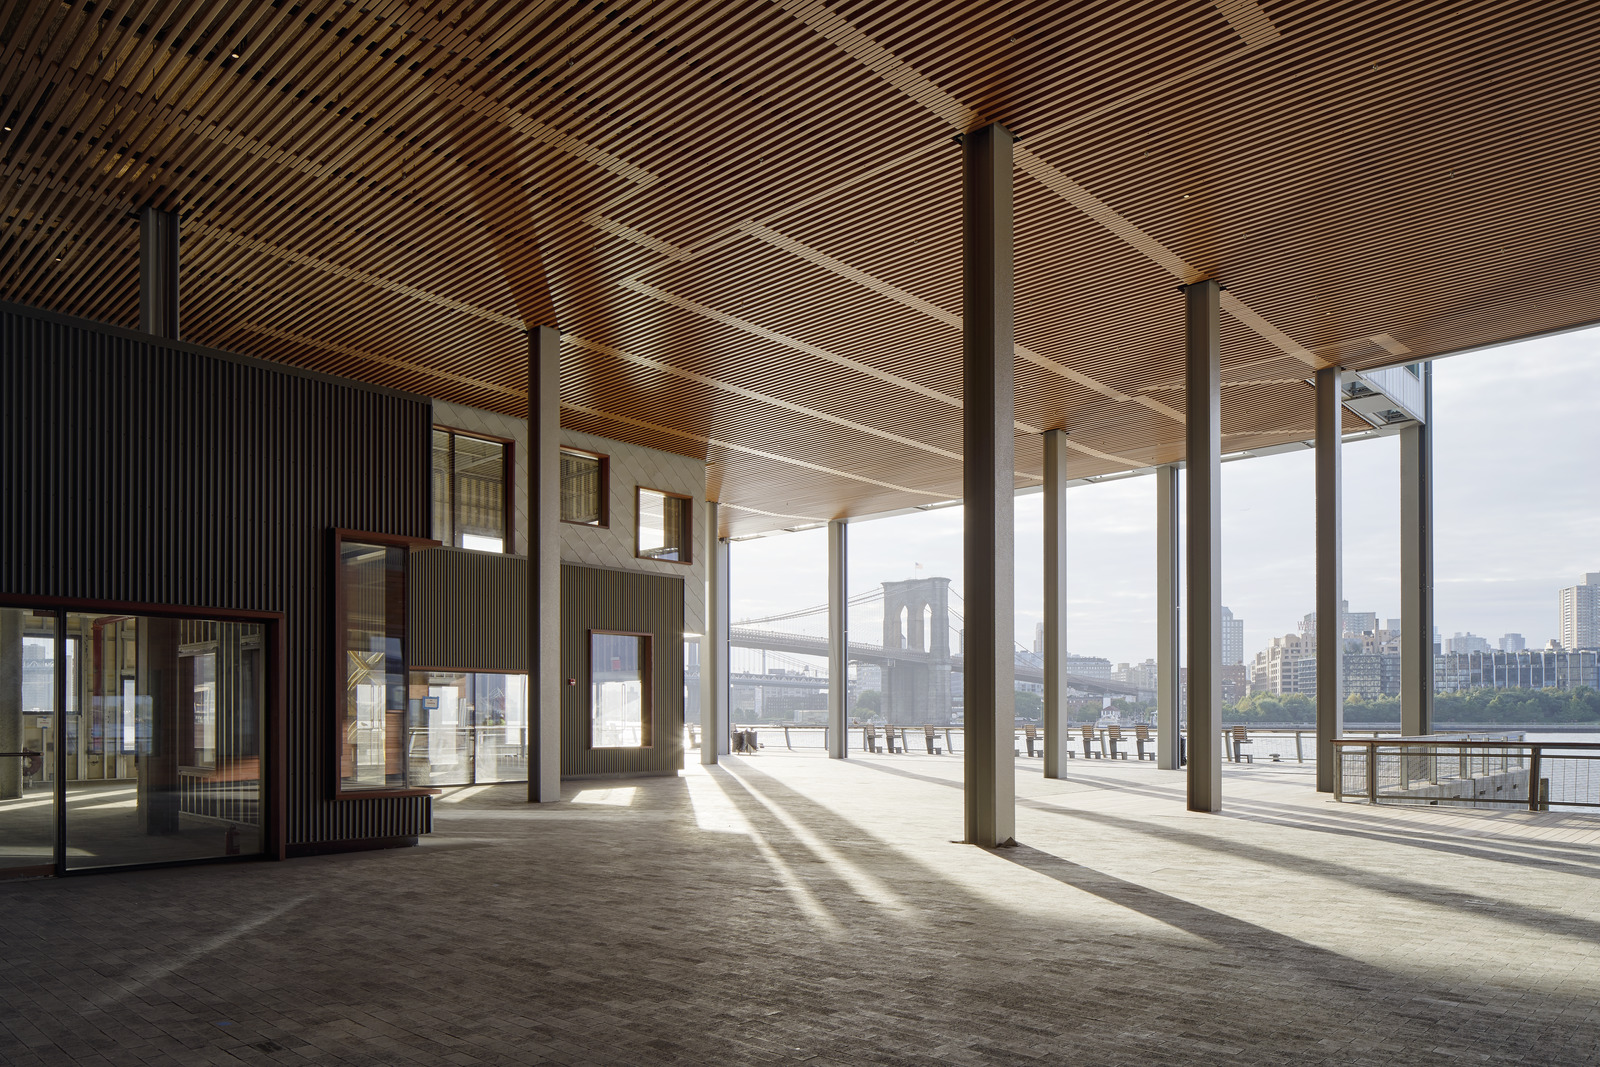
1056, 738
838, 641
1416, 569
1203, 504
714, 724
544, 564
1330, 576
988, 478
1169, 641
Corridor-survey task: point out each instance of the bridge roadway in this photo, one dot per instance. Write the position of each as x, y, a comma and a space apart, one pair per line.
803, 645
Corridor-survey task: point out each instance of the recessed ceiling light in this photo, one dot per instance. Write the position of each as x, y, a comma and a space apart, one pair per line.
236, 55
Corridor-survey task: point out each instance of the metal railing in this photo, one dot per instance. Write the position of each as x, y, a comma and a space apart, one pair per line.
1474, 773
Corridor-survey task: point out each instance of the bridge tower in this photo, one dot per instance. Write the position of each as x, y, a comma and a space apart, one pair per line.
916, 651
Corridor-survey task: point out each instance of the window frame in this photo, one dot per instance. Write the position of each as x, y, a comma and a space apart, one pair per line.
604, 522
688, 531
647, 668
337, 678
508, 509
274, 775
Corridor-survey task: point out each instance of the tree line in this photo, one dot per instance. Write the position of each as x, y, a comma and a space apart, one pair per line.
1468, 706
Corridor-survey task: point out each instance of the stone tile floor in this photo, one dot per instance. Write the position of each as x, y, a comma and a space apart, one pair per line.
786, 908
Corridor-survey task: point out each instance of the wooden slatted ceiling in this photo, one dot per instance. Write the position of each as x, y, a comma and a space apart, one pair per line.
744, 216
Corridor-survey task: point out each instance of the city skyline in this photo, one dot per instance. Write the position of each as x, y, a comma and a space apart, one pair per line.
1515, 510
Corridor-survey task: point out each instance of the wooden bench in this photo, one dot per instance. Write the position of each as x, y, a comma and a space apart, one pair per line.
869, 737
1114, 738
1141, 737
929, 737
1240, 739
889, 739
1030, 735
1088, 743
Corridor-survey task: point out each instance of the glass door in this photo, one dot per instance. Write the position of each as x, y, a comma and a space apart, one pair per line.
28, 735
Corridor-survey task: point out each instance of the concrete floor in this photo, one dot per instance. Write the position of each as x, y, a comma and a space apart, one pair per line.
786, 908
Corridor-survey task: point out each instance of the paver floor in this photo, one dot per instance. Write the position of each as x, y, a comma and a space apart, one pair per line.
787, 908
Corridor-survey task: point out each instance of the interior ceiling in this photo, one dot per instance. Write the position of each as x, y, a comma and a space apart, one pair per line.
744, 217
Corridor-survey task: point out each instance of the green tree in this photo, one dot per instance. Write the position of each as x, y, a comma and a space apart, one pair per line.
1029, 706
869, 701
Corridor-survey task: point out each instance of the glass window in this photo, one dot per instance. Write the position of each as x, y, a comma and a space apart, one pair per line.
471, 486
371, 735
467, 728
619, 690
583, 487
28, 732
664, 525
176, 772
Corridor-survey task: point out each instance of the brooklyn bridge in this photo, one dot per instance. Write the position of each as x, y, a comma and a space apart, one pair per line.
919, 656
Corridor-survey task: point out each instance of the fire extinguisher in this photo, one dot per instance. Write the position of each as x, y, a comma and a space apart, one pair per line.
230, 841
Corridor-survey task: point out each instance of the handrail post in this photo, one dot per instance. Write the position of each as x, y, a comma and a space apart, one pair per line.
1372, 772
1533, 780
1338, 767
1299, 752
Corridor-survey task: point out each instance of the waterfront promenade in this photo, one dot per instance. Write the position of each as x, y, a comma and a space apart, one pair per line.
788, 908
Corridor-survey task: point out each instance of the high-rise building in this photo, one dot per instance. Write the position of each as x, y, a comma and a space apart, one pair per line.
1467, 642
1353, 623
1579, 607
1232, 639
1512, 643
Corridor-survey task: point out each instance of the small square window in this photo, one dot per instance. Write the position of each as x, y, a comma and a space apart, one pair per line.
584, 489
665, 526
619, 690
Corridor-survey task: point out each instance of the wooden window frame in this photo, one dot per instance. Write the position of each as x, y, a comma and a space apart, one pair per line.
508, 481
336, 656
647, 665
688, 533
605, 489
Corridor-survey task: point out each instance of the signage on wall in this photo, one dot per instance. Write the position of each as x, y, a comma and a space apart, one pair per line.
431, 703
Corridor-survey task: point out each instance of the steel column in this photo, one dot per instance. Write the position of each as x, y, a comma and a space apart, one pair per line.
714, 644
1203, 455
718, 607
988, 426
158, 272
1330, 575
1057, 742
1416, 569
838, 641
544, 564
1169, 638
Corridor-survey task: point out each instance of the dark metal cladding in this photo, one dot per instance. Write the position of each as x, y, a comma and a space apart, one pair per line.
468, 611
149, 471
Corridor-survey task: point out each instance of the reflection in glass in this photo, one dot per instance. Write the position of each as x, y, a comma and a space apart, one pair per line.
582, 488
28, 729
167, 757
467, 728
663, 526
372, 582
619, 703
469, 491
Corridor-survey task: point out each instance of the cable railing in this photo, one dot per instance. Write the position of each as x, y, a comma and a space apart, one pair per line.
1451, 771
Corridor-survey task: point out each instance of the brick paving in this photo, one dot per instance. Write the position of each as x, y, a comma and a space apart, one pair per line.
786, 908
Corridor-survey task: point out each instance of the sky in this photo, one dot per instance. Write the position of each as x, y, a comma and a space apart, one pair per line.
1516, 514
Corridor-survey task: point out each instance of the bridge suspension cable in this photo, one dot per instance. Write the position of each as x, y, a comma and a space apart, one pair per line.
818, 609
